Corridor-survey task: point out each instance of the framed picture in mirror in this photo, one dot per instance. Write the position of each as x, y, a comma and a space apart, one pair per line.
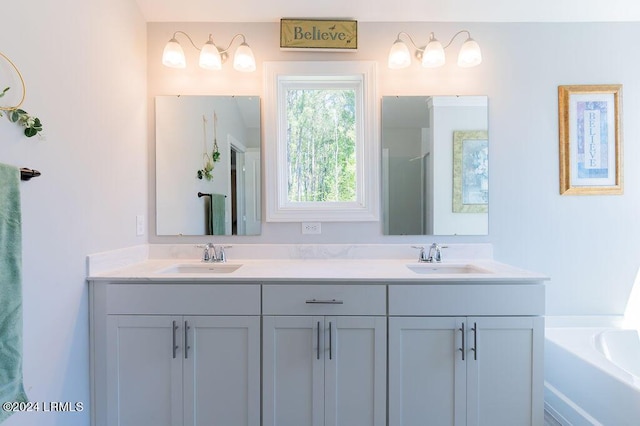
470, 171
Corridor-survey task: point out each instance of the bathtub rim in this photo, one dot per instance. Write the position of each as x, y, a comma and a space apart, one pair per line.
561, 401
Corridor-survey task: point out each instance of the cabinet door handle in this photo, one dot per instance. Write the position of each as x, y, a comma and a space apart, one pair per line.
318, 341
330, 342
475, 341
324, 302
186, 340
462, 349
175, 347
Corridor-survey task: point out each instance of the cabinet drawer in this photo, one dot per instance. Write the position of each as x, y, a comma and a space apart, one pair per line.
184, 299
466, 299
312, 299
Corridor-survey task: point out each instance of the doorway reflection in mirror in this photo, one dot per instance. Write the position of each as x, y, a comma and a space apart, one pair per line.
234, 208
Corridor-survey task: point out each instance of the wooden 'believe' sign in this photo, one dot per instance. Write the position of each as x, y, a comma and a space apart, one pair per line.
319, 34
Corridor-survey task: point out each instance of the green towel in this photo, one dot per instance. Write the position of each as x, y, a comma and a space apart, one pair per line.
11, 386
217, 214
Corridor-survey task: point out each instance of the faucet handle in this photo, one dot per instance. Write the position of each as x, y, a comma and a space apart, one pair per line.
206, 254
209, 252
422, 257
222, 256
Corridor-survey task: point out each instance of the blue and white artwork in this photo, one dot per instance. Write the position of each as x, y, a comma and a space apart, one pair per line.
475, 171
592, 156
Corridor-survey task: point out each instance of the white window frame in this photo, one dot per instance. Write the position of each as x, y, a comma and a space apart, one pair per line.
357, 75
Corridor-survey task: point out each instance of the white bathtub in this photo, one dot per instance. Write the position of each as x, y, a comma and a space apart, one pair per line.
592, 376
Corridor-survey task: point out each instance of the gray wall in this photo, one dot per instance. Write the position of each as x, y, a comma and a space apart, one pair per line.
589, 245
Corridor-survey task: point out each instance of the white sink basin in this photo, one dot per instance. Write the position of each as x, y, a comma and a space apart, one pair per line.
201, 268
444, 268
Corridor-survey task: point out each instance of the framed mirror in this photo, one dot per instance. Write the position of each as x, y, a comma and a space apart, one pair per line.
435, 165
208, 165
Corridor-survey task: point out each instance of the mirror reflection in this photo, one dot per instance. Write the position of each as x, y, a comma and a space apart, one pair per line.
435, 165
208, 165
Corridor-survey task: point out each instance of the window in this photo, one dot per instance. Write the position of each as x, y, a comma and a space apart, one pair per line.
322, 150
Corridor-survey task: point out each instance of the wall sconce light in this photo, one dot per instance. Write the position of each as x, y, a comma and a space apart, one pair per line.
211, 56
432, 55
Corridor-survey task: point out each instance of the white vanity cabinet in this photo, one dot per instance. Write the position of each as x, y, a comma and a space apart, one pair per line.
297, 343
324, 355
175, 354
457, 370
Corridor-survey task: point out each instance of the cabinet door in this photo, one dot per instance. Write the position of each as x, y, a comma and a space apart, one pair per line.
293, 371
221, 370
426, 372
355, 371
144, 371
504, 378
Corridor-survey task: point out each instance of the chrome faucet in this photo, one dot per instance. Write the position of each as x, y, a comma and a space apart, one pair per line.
434, 255
213, 254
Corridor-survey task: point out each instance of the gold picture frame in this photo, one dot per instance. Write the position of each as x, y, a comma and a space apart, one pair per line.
319, 34
470, 171
590, 133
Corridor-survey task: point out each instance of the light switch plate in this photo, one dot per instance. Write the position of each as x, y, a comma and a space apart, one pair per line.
139, 225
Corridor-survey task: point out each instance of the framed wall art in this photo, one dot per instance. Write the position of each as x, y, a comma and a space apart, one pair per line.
590, 139
470, 171
319, 34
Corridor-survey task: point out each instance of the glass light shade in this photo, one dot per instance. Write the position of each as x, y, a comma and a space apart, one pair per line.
470, 54
399, 56
433, 55
243, 59
210, 57
173, 55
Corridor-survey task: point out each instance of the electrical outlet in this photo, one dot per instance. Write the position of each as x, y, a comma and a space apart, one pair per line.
310, 228
139, 225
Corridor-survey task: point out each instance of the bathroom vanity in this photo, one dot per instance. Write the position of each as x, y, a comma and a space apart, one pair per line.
284, 342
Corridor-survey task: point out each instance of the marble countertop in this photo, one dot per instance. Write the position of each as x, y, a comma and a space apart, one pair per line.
386, 271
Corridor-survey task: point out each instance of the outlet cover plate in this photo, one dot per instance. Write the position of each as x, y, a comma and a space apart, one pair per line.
311, 228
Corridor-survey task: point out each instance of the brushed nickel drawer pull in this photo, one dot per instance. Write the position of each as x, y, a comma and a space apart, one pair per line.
324, 302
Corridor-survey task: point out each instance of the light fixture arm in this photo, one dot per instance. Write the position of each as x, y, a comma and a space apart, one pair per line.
224, 51
456, 35
431, 37
415, 46
186, 35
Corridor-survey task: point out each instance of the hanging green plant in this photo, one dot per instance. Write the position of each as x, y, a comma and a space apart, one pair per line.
205, 172
209, 160
32, 125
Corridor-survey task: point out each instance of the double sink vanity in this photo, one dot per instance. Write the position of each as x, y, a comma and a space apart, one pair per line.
315, 335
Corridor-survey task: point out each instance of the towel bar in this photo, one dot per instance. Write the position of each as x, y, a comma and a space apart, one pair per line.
26, 174
204, 194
